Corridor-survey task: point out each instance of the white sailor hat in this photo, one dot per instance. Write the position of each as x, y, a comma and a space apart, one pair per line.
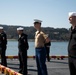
37, 20
20, 28
72, 14
1, 27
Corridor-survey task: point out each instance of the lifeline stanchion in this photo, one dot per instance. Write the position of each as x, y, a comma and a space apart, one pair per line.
55, 57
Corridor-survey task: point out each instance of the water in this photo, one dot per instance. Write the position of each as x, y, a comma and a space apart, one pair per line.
57, 48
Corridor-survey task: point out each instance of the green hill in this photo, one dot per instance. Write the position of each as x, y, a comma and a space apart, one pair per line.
61, 34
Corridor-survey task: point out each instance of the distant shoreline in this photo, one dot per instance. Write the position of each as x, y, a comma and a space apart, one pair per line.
32, 40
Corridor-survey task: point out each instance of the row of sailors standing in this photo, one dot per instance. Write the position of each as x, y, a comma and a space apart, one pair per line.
40, 39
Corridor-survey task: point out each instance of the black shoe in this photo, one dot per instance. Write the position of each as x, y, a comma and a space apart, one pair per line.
48, 60
20, 71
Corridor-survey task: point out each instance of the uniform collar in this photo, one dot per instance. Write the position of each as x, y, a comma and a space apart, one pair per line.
20, 35
73, 29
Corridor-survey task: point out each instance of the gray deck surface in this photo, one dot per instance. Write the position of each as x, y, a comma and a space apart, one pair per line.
54, 67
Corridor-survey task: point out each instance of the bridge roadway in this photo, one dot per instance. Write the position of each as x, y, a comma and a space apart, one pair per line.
54, 67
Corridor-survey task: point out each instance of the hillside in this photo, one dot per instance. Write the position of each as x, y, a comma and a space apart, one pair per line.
54, 33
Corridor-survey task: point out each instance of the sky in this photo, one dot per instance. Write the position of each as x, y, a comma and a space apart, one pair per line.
53, 13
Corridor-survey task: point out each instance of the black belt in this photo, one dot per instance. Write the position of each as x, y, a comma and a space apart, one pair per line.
39, 47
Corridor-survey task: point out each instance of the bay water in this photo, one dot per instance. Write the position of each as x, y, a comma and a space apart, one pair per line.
56, 48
